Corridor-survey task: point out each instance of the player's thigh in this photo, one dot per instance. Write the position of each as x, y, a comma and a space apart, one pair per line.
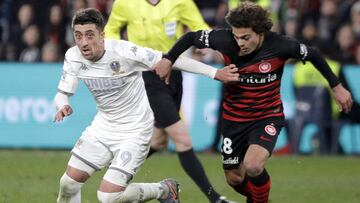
264, 133
129, 156
180, 135
159, 139
234, 143
89, 152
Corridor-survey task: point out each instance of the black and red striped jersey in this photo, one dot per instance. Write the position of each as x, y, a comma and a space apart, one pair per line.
257, 94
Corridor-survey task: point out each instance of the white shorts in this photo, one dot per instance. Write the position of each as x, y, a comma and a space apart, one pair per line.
122, 153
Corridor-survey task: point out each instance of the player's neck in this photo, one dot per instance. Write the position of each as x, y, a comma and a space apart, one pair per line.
261, 40
99, 56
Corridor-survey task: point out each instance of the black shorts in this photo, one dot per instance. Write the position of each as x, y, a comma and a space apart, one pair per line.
165, 100
238, 136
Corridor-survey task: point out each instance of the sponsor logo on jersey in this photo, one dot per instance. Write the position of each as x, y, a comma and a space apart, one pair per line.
258, 78
230, 160
270, 129
205, 37
104, 84
115, 67
303, 52
265, 67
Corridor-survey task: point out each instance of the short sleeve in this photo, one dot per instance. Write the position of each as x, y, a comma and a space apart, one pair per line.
69, 80
140, 58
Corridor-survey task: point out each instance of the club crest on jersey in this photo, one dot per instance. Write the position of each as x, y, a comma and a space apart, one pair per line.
271, 130
115, 66
265, 67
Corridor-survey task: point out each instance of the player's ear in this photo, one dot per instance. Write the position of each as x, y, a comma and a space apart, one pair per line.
102, 35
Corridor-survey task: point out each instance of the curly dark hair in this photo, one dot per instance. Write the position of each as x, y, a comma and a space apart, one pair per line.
249, 15
89, 16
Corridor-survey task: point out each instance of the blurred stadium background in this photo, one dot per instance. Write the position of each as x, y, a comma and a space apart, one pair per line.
35, 35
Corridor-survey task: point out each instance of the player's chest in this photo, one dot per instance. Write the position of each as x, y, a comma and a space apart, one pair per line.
109, 68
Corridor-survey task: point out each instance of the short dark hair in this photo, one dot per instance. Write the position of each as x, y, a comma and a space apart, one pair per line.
89, 16
250, 15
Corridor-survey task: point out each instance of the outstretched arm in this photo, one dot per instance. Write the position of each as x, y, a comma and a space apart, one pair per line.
200, 39
342, 96
226, 74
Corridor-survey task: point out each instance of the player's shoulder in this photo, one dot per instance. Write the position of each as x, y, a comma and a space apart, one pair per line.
276, 37
111, 44
222, 32
221, 38
73, 54
280, 41
119, 46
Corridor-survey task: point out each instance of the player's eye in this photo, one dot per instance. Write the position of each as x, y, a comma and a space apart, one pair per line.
78, 36
90, 35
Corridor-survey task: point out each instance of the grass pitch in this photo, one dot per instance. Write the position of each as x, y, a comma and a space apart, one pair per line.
31, 176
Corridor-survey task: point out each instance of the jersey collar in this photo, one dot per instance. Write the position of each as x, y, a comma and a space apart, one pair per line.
153, 2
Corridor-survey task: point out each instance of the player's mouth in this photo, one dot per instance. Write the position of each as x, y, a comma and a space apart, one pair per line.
244, 50
86, 51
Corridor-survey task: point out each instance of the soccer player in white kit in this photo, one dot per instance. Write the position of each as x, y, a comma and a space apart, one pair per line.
120, 134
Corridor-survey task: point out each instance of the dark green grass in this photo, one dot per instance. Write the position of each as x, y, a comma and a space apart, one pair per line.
30, 176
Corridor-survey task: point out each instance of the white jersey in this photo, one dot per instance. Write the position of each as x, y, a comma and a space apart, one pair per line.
116, 83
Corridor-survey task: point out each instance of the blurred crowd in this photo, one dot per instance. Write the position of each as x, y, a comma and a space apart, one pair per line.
40, 30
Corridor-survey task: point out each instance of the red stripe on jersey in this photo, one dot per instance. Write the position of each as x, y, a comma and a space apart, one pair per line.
252, 111
238, 119
227, 60
257, 95
251, 97
260, 67
255, 105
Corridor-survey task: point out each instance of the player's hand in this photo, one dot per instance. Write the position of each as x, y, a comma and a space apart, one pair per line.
343, 98
163, 69
62, 113
227, 74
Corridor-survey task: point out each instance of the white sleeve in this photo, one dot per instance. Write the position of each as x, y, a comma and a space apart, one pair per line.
141, 58
69, 80
193, 66
61, 100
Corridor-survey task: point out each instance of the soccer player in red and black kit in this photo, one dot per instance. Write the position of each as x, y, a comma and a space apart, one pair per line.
253, 111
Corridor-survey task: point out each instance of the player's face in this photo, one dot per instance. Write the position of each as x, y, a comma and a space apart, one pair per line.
247, 39
90, 41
